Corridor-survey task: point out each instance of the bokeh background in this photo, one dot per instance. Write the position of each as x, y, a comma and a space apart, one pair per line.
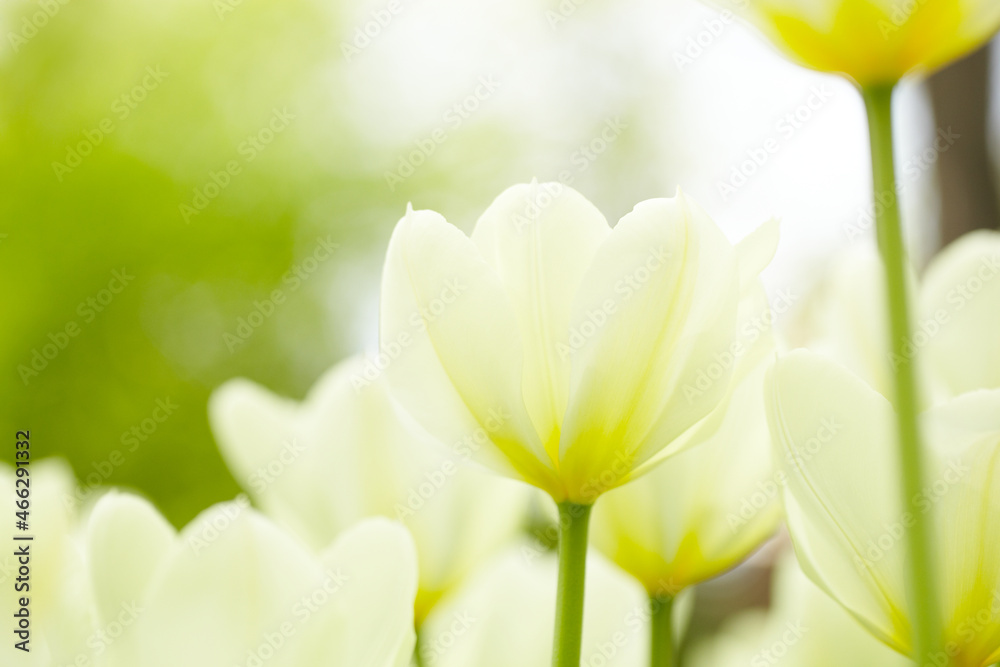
192, 190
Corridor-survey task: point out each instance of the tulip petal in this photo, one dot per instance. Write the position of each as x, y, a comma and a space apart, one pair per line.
963, 488
756, 250
460, 368
230, 589
276, 447
960, 314
659, 305
540, 240
834, 442
127, 538
370, 580
704, 510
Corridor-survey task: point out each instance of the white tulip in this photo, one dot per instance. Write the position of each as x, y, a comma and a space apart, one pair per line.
577, 349
346, 453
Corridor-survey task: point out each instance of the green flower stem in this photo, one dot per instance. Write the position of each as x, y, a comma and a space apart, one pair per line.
924, 609
663, 653
418, 654
574, 521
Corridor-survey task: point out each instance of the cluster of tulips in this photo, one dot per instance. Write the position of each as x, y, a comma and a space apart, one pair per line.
632, 375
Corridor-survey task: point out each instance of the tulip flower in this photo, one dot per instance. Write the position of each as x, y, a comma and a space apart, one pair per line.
116, 586
241, 591
802, 628
849, 521
503, 616
570, 350
706, 509
561, 352
875, 41
957, 309
346, 453
958, 316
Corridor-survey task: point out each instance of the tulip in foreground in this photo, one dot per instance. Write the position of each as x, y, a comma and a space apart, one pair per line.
555, 349
834, 440
563, 352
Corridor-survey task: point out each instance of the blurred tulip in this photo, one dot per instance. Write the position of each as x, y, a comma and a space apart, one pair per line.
957, 312
249, 593
834, 438
706, 509
503, 616
344, 454
555, 349
803, 628
117, 586
875, 42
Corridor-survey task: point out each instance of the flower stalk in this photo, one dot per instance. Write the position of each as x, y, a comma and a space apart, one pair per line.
921, 579
663, 653
574, 521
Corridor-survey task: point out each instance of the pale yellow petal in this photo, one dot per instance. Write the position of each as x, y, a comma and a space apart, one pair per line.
959, 315
660, 302
540, 240
835, 445
460, 366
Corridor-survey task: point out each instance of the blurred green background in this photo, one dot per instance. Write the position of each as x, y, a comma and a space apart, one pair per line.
211, 152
